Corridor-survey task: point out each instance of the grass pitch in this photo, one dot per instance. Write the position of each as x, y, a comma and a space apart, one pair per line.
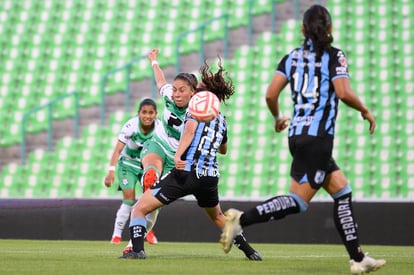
100, 257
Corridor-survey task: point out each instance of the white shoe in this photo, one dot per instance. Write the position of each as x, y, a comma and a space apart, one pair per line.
367, 265
231, 229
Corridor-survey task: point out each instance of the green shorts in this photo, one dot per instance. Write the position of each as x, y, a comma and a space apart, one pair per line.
129, 173
167, 156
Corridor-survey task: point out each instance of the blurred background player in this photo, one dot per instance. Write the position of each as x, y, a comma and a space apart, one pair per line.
196, 171
126, 156
318, 78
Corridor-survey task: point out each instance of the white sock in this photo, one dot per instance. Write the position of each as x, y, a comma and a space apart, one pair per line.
129, 243
122, 217
151, 219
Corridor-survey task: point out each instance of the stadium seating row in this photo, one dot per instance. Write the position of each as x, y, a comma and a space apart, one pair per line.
257, 165
52, 47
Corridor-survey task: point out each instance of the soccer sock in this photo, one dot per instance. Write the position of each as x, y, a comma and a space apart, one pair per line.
346, 225
151, 219
241, 243
275, 208
122, 216
129, 243
137, 230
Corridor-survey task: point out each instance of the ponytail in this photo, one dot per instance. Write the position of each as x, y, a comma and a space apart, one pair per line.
317, 26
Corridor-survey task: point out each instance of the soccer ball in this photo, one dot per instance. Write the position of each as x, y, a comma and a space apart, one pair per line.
204, 106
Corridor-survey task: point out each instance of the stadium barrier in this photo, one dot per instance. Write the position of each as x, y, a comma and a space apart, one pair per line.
183, 221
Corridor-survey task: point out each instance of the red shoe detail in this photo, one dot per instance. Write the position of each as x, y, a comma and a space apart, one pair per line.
127, 249
151, 238
116, 240
150, 177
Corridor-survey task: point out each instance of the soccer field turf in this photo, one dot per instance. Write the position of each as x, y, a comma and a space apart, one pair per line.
100, 257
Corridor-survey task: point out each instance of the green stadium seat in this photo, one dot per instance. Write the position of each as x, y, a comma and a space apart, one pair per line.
19, 182
67, 189
234, 174
69, 45
359, 9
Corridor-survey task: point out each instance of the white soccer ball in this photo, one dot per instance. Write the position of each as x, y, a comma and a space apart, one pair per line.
204, 106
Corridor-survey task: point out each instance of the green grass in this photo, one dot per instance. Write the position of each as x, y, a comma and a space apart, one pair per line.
100, 257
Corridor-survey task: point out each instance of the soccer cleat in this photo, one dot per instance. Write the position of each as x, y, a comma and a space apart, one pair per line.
254, 257
116, 240
231, 229
151, 238
367, 265
134, 255
126, 250
149, 178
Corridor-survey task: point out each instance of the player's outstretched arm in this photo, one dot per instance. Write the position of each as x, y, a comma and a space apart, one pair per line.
158, 73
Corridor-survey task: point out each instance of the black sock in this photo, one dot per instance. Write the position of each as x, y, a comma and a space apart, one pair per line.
275, 208
137, 233
347, 227
241, 243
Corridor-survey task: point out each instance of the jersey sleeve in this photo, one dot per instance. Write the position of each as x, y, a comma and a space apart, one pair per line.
338, 66
225, 137
126, 131
188, 116
166, 90
281, 68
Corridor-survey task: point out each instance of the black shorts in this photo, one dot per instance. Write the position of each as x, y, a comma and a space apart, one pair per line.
177, 184
312, 159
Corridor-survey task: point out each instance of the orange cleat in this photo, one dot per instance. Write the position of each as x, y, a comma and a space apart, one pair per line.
116, 240
149, 178
151, 238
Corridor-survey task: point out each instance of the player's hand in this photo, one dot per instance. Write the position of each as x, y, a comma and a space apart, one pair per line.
152, 56
368, 116
109, 179
281, 124
179, 164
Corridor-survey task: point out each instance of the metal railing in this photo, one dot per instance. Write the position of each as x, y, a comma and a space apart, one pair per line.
127, 68
49, 106
296, 10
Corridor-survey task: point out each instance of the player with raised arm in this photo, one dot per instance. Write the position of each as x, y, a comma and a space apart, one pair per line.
157, 155
196, 172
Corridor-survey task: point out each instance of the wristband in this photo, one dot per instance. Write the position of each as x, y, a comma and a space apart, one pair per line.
111, 168
277, 118
153, 62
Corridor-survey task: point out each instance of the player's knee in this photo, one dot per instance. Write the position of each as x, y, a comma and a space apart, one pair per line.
303, 206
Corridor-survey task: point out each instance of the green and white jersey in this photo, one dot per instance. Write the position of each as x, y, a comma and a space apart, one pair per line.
172, 121
134, 139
